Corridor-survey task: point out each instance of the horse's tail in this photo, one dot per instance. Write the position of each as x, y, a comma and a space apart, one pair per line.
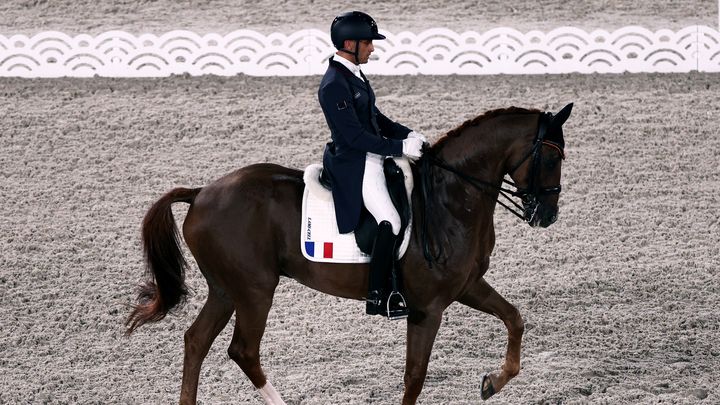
165, 262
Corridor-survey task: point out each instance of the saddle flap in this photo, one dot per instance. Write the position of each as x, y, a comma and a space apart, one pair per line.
320, 238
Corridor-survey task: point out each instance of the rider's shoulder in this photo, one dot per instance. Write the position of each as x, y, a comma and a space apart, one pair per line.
333, 83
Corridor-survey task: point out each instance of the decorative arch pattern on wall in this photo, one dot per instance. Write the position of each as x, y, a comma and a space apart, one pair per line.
437, 51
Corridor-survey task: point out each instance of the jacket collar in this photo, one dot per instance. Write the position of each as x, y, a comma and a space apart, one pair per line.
355, 69
347, 73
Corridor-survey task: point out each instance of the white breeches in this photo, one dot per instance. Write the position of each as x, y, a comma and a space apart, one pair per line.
375, 194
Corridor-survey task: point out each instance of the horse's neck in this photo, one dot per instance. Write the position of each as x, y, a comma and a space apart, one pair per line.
485, 151
480, 155
464, 210
462, 205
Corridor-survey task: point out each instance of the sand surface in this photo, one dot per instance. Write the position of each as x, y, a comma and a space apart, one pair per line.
620, 296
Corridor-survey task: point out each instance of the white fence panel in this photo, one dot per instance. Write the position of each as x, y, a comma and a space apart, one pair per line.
436, 51
708, 49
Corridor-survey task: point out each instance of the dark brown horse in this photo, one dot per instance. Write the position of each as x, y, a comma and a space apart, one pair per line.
244, 232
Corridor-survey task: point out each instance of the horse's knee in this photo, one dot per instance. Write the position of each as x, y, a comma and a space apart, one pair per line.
515, 323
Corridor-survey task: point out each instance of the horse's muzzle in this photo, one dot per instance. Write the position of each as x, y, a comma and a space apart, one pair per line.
538, 214
548, 220
545, 217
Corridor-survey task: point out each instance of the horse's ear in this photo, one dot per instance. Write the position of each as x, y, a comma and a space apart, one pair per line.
560, 118
555, 132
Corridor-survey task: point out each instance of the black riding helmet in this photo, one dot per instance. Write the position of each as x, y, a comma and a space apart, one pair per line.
353, 25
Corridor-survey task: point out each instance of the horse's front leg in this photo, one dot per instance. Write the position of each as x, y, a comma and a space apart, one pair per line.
420, 338
481, 296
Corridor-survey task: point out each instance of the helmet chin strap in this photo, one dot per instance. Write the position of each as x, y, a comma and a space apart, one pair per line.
356, 53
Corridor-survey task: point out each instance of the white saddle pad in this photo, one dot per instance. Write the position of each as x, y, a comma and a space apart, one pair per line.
320, 239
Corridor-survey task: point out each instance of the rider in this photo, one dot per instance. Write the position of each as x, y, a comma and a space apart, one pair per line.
362, 137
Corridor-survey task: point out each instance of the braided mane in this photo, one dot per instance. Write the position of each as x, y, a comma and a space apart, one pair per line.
480, 118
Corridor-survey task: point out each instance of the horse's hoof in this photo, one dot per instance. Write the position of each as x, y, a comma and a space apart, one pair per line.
488, 389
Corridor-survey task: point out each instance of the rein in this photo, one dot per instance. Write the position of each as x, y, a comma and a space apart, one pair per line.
481, 185
528, 196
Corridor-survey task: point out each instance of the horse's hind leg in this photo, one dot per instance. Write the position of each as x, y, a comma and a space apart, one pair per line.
250, 319
199, 337
481, 296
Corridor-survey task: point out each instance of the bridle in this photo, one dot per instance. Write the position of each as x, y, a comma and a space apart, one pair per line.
529, 197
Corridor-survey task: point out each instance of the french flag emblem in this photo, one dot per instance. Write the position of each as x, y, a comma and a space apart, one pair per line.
325, 249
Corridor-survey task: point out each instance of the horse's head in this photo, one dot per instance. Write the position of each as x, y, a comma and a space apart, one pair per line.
537, 171
526, 144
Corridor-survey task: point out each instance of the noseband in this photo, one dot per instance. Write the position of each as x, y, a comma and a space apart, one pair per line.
529, 197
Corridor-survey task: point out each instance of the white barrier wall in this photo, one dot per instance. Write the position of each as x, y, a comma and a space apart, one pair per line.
436, 51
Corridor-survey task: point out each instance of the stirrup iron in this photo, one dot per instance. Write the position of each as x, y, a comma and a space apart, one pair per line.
397, 313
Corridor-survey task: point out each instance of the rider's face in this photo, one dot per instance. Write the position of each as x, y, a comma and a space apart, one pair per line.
365, 48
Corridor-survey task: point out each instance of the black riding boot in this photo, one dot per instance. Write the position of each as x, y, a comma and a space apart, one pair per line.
381, 267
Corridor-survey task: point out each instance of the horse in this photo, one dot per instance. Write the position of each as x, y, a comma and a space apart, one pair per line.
244, 232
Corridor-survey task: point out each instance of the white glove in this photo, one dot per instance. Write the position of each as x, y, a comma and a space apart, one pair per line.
417, 135
412, 148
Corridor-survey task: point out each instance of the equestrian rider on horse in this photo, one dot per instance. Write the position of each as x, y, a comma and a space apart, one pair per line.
362, 137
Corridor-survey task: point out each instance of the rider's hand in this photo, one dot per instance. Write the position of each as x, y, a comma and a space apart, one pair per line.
412, 148
417, 135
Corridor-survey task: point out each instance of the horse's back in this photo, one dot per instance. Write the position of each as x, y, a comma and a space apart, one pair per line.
252, 185
243, 208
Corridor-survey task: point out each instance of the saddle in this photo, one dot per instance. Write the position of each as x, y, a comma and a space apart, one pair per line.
321, 238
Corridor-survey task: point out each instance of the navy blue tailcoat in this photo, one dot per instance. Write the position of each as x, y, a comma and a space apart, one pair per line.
356, 127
